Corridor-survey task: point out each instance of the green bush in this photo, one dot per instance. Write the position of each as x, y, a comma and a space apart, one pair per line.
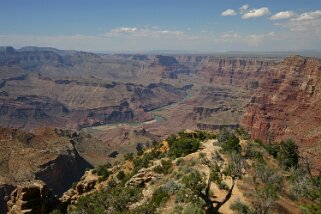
129, 156
243, 133
102, 172
240, 208
158, 198
223, 135
121, 175
183, 147
194, 181
179, 161
288, 154
232, 144
117, 199
165, 168
192, 209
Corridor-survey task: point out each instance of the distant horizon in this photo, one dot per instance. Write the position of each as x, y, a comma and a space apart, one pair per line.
143, 25
310, 52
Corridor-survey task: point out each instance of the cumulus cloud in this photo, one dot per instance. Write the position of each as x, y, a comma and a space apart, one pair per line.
229, 12
305, 22
244, 8
256, 13
307, 16
282, 15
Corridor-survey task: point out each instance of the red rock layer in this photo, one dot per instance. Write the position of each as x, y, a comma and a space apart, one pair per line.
288, 105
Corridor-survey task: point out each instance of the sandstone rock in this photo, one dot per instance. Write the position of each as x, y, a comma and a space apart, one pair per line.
288, 105
30, 197
5, 191
86, 185
142, 177
41, 155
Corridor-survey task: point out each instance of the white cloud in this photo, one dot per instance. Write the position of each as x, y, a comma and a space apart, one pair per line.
282, 15
306, 22
124, 30
312, 15
229, 12
244, 8
256, 13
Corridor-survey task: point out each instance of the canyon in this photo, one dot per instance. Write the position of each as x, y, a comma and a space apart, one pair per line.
66, 111
287, 106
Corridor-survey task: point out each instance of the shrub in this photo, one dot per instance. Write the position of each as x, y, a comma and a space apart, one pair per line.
240, 208
183, 147
223, 135
194, 181
288, 154
121, 175
223, 186
171, 187
232, 144
251, 153
243, 133
160, 196
165, 168
117, 199
102, 172
179, 161
192, 209
129, 156
140, 152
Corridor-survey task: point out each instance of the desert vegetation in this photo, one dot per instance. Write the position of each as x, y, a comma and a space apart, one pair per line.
202, 172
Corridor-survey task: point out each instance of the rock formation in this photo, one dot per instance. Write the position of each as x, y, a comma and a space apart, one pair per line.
86, 185
142, 177
288, 105
46, 154
31, 197
5, 190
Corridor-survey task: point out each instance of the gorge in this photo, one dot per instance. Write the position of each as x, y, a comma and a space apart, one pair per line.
75, 110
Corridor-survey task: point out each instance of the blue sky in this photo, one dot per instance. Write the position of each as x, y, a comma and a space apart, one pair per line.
142, 25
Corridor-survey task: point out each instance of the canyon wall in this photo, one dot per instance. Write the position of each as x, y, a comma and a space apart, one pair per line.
45, 154
288, 105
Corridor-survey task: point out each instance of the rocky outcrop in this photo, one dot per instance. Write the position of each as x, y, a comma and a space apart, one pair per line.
86, 185
5, 190
288, 104
49, 155
143, 176
31, 197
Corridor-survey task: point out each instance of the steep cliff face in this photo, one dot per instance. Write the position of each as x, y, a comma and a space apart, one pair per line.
31, 197
241, 72
45, 154
288, 104
28, 111
5, 190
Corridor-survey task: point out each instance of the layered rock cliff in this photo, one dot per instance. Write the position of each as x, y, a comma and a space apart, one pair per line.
240, 72
45, 154
31, 197
288, 105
